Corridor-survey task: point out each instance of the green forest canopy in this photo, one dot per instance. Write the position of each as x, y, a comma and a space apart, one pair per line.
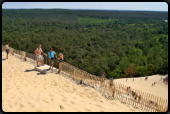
94, 41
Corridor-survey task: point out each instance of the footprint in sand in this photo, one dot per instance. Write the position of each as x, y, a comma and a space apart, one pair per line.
81, 95
52, 100
112, 103
72, 102
61, 107
10, 106
131, 109
63, 96
16, 103
31, 105
50, 95
99, 106
45, 101
88, 110
64, 100
21, 105
101, 101
8, 101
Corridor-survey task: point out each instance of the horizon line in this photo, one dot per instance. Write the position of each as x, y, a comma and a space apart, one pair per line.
83, 9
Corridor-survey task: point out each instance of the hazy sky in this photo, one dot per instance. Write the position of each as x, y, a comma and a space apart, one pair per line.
149, 6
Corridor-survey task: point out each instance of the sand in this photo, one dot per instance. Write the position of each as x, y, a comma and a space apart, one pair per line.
159, 89
34, 92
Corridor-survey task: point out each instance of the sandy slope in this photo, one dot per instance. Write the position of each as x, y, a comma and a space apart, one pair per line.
159, 89
34, 92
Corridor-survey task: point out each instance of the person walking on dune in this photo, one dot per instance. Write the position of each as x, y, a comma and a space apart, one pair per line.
51, 57
102, 79
39, 57
60, 62
129, 90
7, 49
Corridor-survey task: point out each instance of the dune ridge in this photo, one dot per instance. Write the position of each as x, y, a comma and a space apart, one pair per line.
33, 92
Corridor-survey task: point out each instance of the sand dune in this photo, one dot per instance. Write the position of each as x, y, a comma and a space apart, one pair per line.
34, 92
159, 89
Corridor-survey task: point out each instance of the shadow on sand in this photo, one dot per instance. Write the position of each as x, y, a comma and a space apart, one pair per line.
30, 70
40, 73
3, 59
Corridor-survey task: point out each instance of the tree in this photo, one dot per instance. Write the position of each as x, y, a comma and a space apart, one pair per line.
141, 70
130, 71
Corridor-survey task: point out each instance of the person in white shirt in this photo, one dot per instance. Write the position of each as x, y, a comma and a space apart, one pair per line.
7, 48
39, 57
129, 90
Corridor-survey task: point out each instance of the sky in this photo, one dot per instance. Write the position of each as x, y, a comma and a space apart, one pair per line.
144, 6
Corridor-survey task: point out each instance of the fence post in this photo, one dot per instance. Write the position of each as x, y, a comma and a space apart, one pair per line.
167, 104
135, 99
25, 56
82, 76
126, 95
114, 91
146, 101
138, 99
143, 100
152, 103
95, 81
158, 102
153, 107
161, 104
74, 74
120, 92
123, 96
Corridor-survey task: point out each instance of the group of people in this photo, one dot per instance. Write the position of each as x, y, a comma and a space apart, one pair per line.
165, 80
103, 78
127, 79
153, 103
50, 56
154, 83
134, 94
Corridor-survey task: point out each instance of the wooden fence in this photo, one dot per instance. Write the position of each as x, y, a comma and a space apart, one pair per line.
141, 100
136, 98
